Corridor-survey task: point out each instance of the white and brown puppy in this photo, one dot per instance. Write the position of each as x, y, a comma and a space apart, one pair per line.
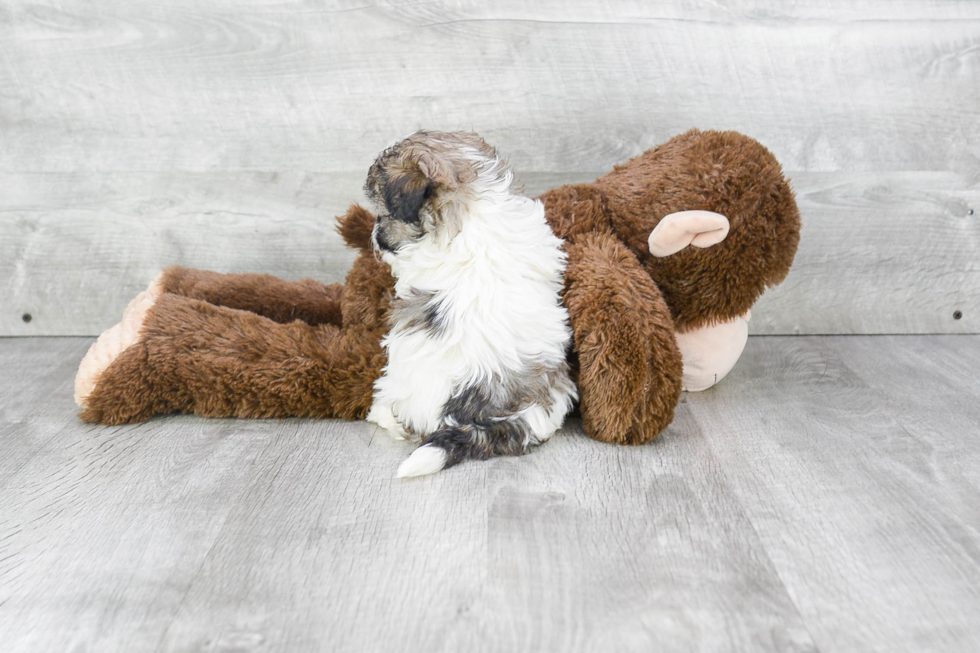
478, 340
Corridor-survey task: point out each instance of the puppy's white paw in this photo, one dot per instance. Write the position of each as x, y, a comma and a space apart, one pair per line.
427, 459
114, 342
381, 415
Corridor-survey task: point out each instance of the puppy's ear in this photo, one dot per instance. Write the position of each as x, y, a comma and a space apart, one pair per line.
423, 173
439, 169
405, 195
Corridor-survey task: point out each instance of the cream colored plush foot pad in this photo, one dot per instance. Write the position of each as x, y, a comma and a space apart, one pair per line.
114, 342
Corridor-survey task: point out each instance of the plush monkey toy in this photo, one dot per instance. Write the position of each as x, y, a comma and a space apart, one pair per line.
666, 256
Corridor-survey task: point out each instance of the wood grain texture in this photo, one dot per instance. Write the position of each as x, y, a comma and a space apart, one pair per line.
863, 483
227, 134
77, 246
226, 85
884, 253
880, 253
822, 497
191, 534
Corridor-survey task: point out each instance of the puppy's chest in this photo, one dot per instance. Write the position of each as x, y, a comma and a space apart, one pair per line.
430, 356
451, 333
425, 312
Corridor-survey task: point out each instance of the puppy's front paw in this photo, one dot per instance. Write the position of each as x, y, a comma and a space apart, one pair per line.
381, 415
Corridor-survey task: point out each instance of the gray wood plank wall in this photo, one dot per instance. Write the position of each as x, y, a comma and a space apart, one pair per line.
226, 134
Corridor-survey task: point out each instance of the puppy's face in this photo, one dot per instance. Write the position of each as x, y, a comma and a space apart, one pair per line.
419, 187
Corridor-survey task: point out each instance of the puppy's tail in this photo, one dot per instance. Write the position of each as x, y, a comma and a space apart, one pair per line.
427, 459
453, 444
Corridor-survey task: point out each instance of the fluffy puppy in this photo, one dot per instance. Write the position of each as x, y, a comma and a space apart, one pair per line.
478, 334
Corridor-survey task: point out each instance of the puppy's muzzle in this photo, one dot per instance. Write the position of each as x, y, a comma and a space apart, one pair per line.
380, 241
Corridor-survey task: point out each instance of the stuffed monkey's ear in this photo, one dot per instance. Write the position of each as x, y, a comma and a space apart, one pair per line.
355, 227
678, 230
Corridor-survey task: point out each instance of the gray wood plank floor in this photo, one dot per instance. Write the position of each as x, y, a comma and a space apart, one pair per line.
824, 497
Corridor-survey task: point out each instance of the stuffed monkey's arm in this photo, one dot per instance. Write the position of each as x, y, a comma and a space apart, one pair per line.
629, 366
279, 300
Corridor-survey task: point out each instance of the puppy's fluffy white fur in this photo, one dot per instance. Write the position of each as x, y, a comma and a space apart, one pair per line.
502, 334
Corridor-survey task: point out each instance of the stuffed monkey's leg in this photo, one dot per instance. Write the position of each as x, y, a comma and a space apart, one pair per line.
630, 367
191, 356
279, 300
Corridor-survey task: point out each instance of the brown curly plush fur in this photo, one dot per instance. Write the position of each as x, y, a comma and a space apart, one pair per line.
262, 294
244, 345
724, 172
257, 346
629, 367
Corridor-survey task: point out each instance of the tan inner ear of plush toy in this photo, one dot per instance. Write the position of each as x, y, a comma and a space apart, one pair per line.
678, 230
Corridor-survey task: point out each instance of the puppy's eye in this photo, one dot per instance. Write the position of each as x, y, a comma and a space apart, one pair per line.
404, 198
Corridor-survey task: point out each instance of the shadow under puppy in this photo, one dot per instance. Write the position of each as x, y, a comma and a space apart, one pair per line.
478, 337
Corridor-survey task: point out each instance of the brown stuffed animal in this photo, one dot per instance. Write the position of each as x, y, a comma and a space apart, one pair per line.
667, 254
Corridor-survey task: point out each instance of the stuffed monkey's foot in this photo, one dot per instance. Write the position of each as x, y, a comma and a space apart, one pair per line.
114, 342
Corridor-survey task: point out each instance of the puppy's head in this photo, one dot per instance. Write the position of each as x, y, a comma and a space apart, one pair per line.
420, 186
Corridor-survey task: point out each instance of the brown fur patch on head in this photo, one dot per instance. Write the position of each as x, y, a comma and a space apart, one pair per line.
445, 158
412, 183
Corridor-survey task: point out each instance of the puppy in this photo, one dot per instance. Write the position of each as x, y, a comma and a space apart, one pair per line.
478, 339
